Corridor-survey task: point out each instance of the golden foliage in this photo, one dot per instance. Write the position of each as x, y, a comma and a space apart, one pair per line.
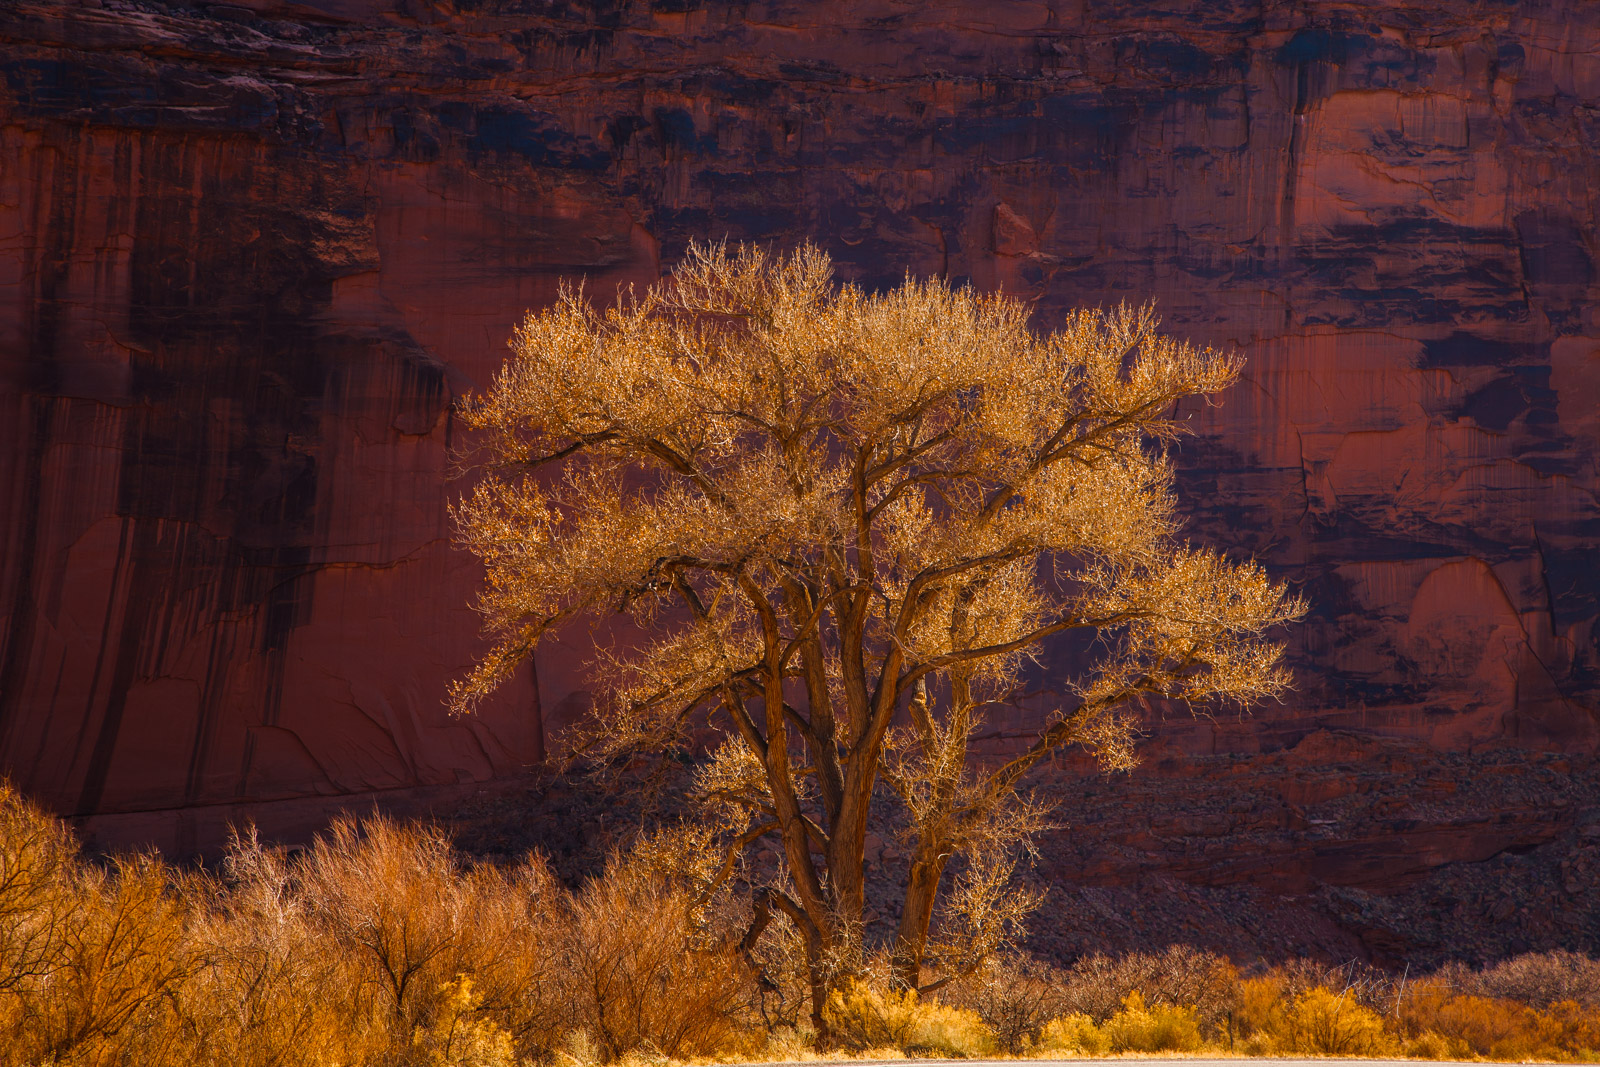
459, 1036
881, 501
1465, 1025
1134, 1028
379, 947
1259, 1006
1153, 1028
1323, 1023
641, 975
37, 857
1075, 1033
865, 1017
749, 423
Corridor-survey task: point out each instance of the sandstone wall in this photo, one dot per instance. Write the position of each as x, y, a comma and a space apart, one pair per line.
250, 252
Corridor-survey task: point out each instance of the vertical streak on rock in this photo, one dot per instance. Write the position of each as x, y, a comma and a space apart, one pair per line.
43, 270
33, 428
219, 654
127, 605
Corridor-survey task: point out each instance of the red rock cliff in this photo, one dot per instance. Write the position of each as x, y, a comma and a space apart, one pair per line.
250, 252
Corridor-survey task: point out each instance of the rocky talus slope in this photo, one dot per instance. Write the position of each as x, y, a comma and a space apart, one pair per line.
250, 252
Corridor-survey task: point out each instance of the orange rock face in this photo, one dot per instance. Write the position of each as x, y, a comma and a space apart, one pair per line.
251, 252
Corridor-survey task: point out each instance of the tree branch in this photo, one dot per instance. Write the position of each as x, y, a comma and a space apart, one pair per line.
731, 857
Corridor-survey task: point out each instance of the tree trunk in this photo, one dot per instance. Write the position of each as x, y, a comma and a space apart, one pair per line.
916, 915
847, 846
819, 999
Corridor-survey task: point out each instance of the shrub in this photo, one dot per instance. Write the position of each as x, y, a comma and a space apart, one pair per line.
108, 991
1432, 1046
392, 897
783, 994
1501, 1029
517, 915
1075, 1033
1323, 1023
269, 988
949, 1032
1316, 1021
380, 947
865, 1018
1258, 1014
459, 1035
37, 857
639, 976
1157, 1028
1367, 985
375, 946
1015, 998
1538, 979
1098, 986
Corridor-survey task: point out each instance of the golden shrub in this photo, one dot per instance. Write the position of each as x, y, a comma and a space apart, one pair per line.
108, 990
37, 858
376, 946
380, 947
864, 1017
1076, 1033
1323, 1023
945, 1031
1156, 1028
1431, 1046
459, 1035
1500, 1029
1258, 1010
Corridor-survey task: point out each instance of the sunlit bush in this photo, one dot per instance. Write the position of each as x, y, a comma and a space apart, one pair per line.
1538, 979
377, 945
380, 946
1501, 1029
1259, 1005
1015, 998
1322, 1023
459, 1035
639, 976
1077, 1034
1098, 986
104, 991
1153, 1028
865, 1018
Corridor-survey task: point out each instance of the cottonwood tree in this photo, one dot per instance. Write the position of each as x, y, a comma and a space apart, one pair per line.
844, 522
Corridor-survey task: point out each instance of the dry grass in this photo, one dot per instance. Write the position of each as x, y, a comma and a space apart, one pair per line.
378, 946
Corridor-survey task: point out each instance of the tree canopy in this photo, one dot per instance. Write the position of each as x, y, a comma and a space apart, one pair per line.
843, 523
